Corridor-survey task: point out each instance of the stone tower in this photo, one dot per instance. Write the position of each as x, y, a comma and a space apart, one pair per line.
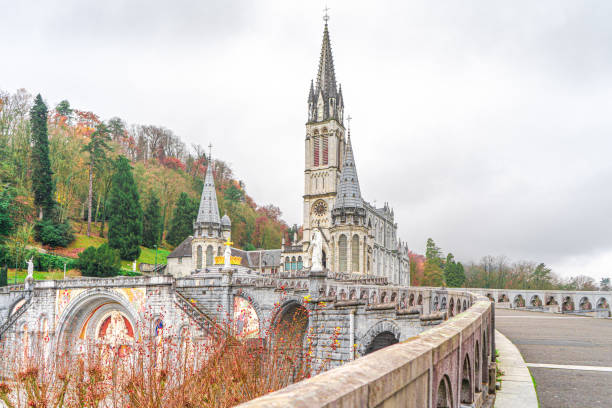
324, 148
349, 232
209, 230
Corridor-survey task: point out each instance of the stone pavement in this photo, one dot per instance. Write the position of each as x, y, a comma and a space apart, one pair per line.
570, 357
517, 387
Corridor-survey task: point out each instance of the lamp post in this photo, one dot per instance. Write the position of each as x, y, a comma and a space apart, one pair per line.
155, 258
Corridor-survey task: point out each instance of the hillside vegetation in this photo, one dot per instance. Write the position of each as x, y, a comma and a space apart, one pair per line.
83, 151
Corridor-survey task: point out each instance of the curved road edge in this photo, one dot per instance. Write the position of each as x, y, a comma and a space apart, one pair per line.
517, 388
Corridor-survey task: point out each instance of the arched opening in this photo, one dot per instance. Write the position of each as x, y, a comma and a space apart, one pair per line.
291, 322
568, 304
490, 296
477, 373
245, 318
300, 263
519, 301
485, 359
451, 307
420, 300
445, 394
323, 258
287, 264
209, 255
443, 304
199, 257
585, 304
219, 251
381, 340
435, 303
465, 305
411, 300
466, 382
355, 254
551, 301
502, 298
602, 303
342, 250
293, 263
536, 301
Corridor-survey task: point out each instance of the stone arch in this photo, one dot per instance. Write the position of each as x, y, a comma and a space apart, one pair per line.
585, 303
602, 303
342, 294
384, 297
458, 306
209, 255
247, 325
443, 304
465, 305
568, 304
290, 314
393, 296
85, 306
363, 295
519, 301
386, 329
420, 300
444, 394
491, 298
466, 381
550, 301
373, 297
535, 301
477, 372
485, 357
451, 307
502, 298
435, 303
352, 294
411, 300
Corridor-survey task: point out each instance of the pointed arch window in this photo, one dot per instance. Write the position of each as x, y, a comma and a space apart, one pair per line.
355, 254
287, 264
325, 151
342, 244
300, 263
199, 257
315, 153
209, 255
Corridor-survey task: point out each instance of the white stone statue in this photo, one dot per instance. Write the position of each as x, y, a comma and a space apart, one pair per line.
316, 242
29, 280
228, 256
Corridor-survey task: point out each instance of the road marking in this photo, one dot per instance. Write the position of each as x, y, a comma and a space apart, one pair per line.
570, 367
537, 317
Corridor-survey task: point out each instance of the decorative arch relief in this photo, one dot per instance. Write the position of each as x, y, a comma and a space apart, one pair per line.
380, 327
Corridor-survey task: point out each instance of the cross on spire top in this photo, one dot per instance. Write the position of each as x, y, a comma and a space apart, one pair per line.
326, 16
210, 146
348, 119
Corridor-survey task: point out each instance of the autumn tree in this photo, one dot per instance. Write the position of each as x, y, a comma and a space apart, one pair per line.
125, 221
151, 222
432, 274
42, 181
97, 149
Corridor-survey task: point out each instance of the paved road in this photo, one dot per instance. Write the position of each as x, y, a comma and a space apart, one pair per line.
568, 341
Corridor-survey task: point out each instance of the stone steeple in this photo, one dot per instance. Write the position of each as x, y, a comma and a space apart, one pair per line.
208, 214
349, 193
325, 100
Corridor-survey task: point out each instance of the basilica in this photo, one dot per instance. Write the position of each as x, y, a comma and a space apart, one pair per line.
357, 236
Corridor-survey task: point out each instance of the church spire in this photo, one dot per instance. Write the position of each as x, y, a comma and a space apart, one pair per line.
349, 193
323, 101
209, 210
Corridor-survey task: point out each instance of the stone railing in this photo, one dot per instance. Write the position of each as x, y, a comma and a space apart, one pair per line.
450, 365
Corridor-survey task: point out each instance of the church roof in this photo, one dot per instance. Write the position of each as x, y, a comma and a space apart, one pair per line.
182, 250
349, 193
209, 209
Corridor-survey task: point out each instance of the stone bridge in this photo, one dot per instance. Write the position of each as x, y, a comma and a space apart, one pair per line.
594, 302
451, 356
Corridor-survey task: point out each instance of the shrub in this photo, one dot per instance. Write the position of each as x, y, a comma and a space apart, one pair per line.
42, 262
54, 234
101, 262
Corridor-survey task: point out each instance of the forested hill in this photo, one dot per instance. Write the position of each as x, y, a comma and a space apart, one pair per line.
163, 166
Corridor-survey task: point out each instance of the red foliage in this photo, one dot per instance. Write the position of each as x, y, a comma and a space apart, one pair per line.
417, 262
172, 163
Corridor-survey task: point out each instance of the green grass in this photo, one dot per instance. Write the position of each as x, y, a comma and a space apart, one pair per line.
51, 275
147, 255
535, 387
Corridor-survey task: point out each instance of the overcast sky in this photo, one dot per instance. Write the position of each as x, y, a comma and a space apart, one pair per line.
487, 125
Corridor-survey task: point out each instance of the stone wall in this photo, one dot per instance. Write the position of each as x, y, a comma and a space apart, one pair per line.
450, 365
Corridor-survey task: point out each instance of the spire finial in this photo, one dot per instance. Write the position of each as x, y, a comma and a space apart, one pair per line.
348, 119
210, 146
326, 16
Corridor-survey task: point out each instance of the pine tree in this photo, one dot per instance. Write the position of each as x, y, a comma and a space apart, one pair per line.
42, 181
433, 253
454, 275
181, 225
152, 222
125, 221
